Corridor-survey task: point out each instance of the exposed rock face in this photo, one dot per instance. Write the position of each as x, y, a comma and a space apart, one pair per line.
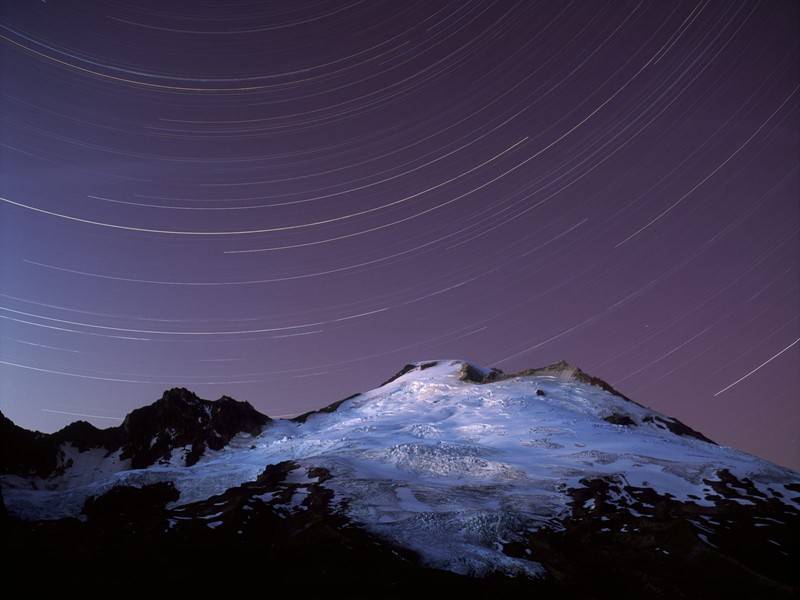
408, 368
676, 427
181, 419
147, 435
473, 374
26, 452
622, 540
3, 512
567, 371
125, 505
326, 409
618, 419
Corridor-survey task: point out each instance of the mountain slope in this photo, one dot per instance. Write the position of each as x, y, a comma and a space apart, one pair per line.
548, 475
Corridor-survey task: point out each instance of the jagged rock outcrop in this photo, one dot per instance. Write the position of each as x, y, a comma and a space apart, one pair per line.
181, 419
178, 420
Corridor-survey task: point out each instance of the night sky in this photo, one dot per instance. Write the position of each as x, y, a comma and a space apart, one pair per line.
286, 202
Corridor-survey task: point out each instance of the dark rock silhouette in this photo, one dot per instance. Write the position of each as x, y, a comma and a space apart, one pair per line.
147, 435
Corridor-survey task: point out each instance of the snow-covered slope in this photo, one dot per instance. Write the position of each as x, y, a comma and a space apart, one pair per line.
459, 464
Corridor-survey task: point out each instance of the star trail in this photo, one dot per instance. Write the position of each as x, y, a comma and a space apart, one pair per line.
284, 202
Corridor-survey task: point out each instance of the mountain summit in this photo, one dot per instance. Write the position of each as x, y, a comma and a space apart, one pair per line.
545, 480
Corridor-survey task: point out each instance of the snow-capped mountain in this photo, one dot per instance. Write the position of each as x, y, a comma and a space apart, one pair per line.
539, 478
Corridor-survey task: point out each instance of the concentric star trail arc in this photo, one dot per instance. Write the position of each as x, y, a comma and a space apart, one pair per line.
286, 202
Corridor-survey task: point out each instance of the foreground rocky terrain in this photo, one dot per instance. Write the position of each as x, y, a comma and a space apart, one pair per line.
448, 478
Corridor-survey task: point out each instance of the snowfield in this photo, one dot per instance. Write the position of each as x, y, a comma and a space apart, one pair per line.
442, 466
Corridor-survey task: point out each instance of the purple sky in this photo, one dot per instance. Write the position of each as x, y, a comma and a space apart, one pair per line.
285, 202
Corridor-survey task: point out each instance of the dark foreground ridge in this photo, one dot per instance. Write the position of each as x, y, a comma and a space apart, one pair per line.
130, 539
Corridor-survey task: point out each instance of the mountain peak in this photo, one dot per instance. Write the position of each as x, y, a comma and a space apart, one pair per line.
180, 426
179, 395
561, 371
182, 420
472, 469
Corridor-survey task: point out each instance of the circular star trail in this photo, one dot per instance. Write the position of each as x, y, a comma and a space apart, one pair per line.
285, 202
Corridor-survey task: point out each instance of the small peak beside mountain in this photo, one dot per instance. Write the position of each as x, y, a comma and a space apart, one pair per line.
24, 452
177, 428
183, 421
85, 436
